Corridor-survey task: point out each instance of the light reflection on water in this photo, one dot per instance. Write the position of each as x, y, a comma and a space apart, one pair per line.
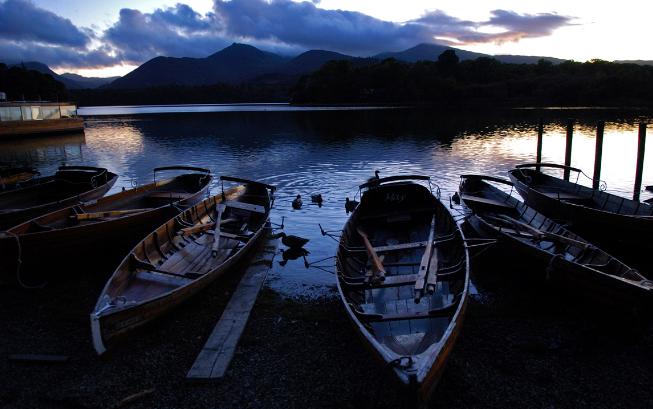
332, 152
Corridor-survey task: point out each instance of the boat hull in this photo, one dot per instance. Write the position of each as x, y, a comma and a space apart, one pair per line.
14, 129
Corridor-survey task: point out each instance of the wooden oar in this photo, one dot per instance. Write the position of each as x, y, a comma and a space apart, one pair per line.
420, 283
202, 227
108, 213
538, 233
216, 232
377, 264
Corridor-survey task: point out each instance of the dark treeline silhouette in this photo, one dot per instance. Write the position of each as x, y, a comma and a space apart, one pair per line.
478, 82
176, 94
23, 84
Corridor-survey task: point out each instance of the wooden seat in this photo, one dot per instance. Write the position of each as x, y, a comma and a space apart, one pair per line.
565, 196
485, 201
172, 196
245, 206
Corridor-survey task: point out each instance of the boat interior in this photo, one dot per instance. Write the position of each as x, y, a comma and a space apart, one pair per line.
67, 182
185, 249
129, 202
515, 218
576, 193
398, 220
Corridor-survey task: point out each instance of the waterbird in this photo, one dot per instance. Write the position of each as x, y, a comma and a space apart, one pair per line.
297, 202
456, 198
350, 205
375, 177
294, 242
317, 199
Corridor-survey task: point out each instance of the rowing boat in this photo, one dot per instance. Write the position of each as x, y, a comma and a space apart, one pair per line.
605, 218
566, 258
12, 177
180, 258
68, 186
100, 231
403, 276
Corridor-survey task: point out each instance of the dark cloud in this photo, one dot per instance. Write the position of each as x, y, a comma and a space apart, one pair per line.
515, 27
55, 56
304, 24
177, 32
31, 33
21, 20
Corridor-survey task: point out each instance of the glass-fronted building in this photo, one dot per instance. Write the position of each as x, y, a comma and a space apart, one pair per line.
36, 111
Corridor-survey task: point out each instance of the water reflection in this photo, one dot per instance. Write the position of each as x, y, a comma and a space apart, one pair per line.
332, 152
44, 153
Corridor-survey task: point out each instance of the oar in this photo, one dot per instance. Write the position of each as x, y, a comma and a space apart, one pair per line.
377, 263
538, 233
422, 275
108, 213
216, 232
202, 227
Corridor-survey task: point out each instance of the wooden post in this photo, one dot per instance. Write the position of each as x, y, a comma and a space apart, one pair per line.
540, 134
570, 136
640, 161
598, 154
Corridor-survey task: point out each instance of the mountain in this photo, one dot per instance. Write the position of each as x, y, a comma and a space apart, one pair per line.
312, 60
234, 64
87, 82
71, 81
427, 52
431, 52
638, 62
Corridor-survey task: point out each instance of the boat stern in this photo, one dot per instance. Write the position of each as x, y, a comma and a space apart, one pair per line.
96, 330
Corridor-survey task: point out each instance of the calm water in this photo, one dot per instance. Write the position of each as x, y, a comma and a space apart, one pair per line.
330, 152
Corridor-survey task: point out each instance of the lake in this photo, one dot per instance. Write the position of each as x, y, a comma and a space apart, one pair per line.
331, 150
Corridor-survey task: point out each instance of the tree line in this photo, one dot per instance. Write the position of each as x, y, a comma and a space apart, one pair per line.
21, 84
450, 82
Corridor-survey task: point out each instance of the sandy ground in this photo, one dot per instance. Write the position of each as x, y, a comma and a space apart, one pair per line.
522, 345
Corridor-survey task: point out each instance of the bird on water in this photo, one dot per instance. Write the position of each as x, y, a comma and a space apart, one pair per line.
294, 242
350, 205
297, 202
375, 177
317, 199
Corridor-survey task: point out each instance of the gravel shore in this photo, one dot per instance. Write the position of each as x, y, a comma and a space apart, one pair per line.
522, 345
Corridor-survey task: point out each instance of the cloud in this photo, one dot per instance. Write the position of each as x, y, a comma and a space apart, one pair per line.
304, 24
514, 27
21, 20
175, 31
28, 32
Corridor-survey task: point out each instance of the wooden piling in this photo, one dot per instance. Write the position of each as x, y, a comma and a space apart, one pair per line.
641, 145
570, 135
598, 155
540, 134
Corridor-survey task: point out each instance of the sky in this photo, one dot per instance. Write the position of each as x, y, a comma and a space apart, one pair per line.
112, 37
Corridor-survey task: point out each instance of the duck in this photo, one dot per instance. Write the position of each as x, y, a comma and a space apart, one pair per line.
375, 177
293, 242
317, 199
455, 198
350, 205
297, 202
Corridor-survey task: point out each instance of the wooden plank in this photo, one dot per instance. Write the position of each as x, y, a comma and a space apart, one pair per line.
216, 232
378, 271
424, 264
202, 227
245, 206
108, 213
402, 246
213, 361
476, 199
38, 358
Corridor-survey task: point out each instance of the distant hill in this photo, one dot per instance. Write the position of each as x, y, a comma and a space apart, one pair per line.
638, 62
234, 64
431, 52
71, 81
428, 52
312, 60
87, 82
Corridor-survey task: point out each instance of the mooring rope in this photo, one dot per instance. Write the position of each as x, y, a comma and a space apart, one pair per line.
19, 263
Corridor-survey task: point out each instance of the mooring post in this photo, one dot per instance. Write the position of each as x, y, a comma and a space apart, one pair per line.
640, 160
570, 136
598, 154
540, 134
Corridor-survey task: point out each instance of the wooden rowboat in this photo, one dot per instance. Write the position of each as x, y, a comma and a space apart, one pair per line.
403, 276
565, 257
70, 185
180, 258
12, 177
605, 218
103, 229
